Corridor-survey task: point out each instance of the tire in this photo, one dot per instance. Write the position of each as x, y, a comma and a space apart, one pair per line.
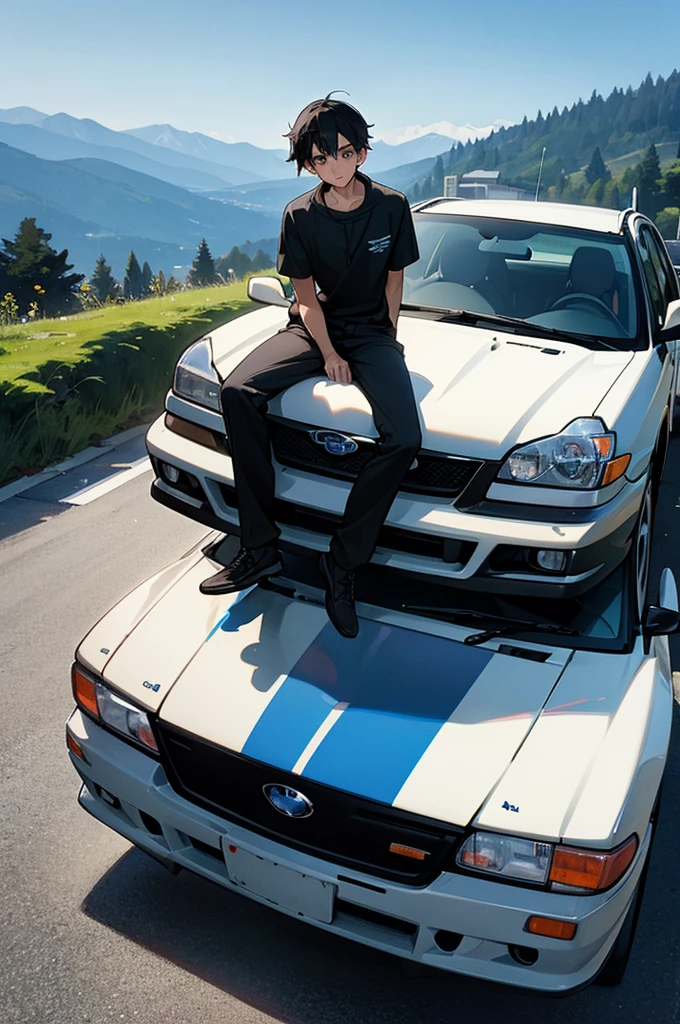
615, 965
641, 548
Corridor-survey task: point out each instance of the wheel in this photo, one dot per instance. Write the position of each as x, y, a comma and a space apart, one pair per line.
615, 965
641, 550
579, 298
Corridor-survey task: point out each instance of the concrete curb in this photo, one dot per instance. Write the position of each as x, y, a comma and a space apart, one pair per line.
109, 444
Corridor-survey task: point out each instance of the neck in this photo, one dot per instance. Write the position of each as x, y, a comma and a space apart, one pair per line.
350, 191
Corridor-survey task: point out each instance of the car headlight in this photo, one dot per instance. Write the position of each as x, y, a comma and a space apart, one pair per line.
506, 856
566, 868
581, 456
112, 710
196, 378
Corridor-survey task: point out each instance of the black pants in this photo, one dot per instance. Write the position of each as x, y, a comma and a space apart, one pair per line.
378, 367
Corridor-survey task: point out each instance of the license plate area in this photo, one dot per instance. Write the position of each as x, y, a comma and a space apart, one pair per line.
282, 886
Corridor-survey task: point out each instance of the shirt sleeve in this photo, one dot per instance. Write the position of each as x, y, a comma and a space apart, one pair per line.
405, 249
293, 260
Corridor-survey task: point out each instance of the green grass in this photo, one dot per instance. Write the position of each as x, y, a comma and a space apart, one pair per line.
72, 339
68, 382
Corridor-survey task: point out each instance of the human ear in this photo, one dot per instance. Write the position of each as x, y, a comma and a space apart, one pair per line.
310, 167
361, 156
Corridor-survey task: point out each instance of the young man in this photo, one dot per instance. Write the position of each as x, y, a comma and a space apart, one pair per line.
352, 237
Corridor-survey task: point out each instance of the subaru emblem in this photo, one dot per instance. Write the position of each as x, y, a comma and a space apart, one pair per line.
334, 443
288, 801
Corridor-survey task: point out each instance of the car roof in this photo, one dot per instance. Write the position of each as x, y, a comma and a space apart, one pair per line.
590, 218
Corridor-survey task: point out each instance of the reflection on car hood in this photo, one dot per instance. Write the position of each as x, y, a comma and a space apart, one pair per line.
480, 391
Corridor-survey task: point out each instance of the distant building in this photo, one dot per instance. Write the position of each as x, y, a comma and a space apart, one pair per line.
481, 185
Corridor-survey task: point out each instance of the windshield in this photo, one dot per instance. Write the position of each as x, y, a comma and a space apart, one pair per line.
600, 616
578, 282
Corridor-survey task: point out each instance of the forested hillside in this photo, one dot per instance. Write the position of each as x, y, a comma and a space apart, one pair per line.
623, 127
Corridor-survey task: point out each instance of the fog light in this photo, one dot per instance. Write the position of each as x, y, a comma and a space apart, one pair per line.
171, 473
524, 955
555, 561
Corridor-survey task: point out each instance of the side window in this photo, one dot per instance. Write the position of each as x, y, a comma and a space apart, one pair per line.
664, 272
656, 288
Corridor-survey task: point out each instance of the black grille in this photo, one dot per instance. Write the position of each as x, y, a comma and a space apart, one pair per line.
433, 474
344, 828
428, 545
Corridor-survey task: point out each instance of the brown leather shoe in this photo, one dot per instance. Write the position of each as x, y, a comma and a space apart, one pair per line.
246, 568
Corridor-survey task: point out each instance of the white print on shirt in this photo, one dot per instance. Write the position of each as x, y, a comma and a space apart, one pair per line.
379, 244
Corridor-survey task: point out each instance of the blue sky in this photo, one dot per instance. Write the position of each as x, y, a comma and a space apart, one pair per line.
214, 67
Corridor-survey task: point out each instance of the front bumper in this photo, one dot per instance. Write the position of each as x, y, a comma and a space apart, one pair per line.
128, 791
422, 535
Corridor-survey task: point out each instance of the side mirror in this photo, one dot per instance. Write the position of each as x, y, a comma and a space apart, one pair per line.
661, 621
671, 328
664, 619
268, 290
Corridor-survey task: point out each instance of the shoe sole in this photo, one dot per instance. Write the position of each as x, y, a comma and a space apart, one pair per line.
328, 581
230, 588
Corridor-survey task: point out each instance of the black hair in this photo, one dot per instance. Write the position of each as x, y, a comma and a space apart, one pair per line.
321, 122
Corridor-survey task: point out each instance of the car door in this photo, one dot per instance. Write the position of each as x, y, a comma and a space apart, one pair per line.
662, 287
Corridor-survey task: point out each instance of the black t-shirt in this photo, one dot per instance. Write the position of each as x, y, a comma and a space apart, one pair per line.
349, 253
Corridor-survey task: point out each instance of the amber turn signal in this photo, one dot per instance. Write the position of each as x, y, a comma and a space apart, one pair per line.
75, 748
590, 869
615, 469
550, 927
408, 851
84, 690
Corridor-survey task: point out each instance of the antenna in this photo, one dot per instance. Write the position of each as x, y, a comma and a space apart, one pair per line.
634, 200
540, 172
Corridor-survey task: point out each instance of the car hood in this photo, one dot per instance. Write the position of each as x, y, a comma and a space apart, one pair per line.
406, 714
480, 392
268, 676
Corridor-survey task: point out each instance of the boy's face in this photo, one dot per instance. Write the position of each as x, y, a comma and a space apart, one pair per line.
338, 170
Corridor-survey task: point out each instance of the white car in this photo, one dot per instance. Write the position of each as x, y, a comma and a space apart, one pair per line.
467, 790
541, 342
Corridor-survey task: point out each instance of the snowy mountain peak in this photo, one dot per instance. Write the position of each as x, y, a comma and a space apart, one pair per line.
459, 133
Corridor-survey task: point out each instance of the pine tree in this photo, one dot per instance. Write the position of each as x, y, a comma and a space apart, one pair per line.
132, 285
261, 261
438, 177
235, 264
102, 282
203, 268
34, 271
596, 169
649, 175
147, 278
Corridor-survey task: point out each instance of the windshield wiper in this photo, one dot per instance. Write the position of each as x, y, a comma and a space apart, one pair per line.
535, 330
510, 627
529, 627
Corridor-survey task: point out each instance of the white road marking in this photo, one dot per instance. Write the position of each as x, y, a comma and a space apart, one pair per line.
87, 494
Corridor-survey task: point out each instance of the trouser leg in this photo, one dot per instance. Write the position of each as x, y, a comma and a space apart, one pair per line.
283, 360
380, 371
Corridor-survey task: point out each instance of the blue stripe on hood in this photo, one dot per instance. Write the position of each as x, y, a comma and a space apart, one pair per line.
401, 685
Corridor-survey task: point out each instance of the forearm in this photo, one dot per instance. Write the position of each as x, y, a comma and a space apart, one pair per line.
393, 293
315, 322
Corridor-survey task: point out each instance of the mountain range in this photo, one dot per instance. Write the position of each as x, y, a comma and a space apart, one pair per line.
159, 189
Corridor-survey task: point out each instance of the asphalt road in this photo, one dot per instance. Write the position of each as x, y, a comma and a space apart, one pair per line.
93, 930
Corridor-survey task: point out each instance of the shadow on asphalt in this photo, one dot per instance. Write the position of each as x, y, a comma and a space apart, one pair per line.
299, 974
